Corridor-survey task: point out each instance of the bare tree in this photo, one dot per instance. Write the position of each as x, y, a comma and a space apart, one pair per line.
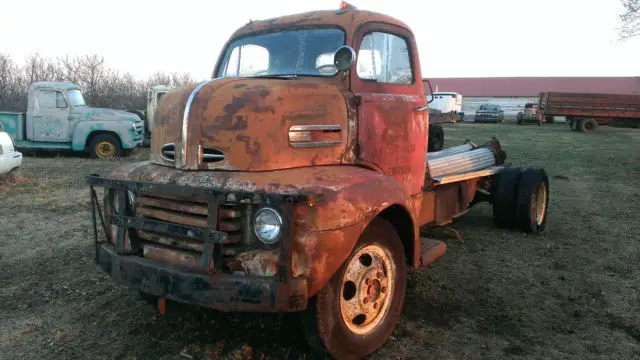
630, 19
102, 86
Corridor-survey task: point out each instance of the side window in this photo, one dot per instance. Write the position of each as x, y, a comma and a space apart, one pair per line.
47, 99
384, 58
247, 60
61, 102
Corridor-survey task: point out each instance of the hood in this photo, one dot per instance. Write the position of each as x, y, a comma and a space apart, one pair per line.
100, 114
251, 125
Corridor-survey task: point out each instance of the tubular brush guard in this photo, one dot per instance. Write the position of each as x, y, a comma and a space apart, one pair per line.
207, 286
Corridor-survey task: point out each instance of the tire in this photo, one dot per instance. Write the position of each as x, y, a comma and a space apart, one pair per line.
323, 322
587, 125
503, 198
533, 201
436, 138
104, 146
549, 119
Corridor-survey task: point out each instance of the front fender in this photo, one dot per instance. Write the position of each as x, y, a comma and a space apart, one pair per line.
122, 129
327, 232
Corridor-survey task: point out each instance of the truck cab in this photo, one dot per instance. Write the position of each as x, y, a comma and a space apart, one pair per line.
57, 117
154, 94
298, 180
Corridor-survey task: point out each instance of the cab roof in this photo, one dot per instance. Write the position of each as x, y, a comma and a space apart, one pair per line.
349, 18
53, 84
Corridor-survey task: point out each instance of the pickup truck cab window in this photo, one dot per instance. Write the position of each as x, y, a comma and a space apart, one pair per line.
47, 99
75, 97
384, 58
293, 52
61, 103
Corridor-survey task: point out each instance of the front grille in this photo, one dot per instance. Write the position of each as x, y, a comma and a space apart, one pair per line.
234, 219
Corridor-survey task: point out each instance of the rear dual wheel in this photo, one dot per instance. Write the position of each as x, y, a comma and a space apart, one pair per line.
359, 308
521, 199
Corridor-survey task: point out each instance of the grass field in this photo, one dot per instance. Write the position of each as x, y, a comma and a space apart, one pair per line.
570, 293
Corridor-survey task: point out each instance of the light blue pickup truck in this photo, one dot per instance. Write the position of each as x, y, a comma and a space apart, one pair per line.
58, 118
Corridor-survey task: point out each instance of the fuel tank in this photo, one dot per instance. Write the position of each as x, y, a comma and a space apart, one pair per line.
246, 124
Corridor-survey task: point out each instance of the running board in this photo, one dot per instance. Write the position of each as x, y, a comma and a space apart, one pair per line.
431, 250
447, 179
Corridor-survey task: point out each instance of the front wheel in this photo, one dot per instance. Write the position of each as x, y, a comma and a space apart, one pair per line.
359, 308
105, 146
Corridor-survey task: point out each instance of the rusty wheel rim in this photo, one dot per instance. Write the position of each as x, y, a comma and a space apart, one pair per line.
105, 149
367, 285
541, 205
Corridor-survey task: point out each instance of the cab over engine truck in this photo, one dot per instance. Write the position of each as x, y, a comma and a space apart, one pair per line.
58, 118
297, 180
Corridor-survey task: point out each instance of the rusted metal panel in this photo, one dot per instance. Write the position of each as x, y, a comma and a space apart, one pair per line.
247, 121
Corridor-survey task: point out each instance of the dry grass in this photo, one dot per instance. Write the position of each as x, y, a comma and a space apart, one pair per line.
569, 293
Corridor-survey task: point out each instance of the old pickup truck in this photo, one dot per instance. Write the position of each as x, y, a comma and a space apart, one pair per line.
57, 118
298, 180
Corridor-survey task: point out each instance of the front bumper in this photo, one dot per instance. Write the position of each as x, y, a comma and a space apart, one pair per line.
220, 292
207, 286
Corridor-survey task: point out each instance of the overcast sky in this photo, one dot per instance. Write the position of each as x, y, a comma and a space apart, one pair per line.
456, 38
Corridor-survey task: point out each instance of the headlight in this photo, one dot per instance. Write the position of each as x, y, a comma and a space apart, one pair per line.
267, 225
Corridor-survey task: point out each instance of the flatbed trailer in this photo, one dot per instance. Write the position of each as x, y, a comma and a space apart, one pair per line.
586, 111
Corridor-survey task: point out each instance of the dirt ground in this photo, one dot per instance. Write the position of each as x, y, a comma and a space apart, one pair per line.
571, 293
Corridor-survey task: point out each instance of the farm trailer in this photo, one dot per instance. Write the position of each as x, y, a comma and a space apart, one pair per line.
585, 111
58, 118
301, 185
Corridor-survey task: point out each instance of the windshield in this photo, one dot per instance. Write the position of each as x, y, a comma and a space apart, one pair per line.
75, 97
293, 52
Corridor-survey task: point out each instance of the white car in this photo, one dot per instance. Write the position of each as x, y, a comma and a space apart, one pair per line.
9, 157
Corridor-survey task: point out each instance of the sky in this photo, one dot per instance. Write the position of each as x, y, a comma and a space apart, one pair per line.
455, 38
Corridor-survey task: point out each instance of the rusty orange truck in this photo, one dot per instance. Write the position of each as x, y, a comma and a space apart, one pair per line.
297, 180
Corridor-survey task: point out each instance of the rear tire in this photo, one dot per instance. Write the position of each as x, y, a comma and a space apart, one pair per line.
105, 146
436, 138
504, 198
532, 200
372, 284
587, 125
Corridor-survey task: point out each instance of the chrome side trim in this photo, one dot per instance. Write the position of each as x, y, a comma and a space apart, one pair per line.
185, 121
314, 127
313, 144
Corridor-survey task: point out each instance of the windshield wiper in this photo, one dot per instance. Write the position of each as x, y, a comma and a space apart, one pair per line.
279, 76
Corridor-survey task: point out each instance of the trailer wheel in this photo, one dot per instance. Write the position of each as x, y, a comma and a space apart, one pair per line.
503, 198
533, 201
587, 125
359, 308
105, 146
436, 138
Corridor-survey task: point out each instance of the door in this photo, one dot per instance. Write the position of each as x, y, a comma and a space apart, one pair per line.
50, 116
392, 115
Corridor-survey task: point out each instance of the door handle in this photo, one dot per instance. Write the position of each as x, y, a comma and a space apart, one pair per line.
422, 108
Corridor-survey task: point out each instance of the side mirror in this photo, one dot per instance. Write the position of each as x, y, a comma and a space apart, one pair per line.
344, 57
431, 91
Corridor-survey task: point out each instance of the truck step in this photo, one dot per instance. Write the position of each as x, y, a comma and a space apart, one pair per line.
431, 249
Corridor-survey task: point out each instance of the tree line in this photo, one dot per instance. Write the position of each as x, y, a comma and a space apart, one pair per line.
101, 86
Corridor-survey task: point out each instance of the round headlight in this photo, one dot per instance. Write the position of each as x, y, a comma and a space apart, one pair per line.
267, 225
